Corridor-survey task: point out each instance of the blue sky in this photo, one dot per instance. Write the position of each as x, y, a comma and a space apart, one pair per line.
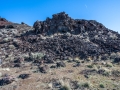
28, 11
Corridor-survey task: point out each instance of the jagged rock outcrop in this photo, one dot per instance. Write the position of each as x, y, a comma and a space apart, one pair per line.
62, 23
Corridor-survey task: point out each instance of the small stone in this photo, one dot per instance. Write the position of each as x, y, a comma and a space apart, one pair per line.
61, 64
24, 76
44, 69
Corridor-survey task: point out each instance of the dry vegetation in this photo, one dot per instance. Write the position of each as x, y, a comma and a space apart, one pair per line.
88, 75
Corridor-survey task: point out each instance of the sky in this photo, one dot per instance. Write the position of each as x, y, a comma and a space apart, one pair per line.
106, 12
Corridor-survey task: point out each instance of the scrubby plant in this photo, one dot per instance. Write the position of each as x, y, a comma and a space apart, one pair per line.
32, 56
90, 66
77, 58
109, 65
64, 88
113, 36
116, 73
113, 55
86, 85
37, 55
5, 39
89, 59
11, 46
104, 72
64, 85
101, 86
118, 54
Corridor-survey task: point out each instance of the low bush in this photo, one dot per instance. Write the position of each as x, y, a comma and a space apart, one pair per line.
101, 86
64, 88
109, 65
90, 66
86, 85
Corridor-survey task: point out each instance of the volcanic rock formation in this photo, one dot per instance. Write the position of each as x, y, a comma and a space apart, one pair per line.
61, 38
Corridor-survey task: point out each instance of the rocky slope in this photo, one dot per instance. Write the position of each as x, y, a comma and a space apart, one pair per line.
62, 37
52, 43
59, 37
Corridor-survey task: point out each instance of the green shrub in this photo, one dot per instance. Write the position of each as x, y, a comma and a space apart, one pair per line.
11, 46
64, 88
86, 85
5, 39
36, 55
101, 86
90, 66
33, 56
109, 65
116, 73
106, 74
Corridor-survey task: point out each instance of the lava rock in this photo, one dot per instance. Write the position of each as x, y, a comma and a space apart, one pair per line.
6, 80
9, 26
86, 76
116, 60
53, 66
24, 76
44, 69
2, 26
61, 64
76, 65
17, 65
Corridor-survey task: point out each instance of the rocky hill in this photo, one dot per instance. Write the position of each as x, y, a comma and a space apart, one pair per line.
52, 43
58, 38
62, 37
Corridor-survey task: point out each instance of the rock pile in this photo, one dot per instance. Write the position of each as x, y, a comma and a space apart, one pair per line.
61, 37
